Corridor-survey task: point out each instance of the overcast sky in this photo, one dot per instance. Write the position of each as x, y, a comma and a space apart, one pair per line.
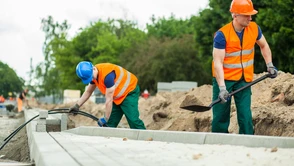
20, 20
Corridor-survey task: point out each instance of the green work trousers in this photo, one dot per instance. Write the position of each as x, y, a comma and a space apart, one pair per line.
221, 112
129, 108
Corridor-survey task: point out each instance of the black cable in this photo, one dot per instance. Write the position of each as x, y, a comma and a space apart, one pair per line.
54, 111
58, 109
51, 112
84, 113
79, 112
89, 115
20, 127
7, 139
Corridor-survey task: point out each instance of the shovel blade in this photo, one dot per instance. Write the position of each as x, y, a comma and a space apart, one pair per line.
196, 108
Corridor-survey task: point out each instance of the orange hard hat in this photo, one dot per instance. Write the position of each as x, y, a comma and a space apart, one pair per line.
244, 7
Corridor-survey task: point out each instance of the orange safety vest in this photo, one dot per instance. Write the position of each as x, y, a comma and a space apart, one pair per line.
239, 59
125, 82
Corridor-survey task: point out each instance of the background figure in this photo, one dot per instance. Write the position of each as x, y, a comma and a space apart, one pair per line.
21, 98
2, 99
233, 66
145, 94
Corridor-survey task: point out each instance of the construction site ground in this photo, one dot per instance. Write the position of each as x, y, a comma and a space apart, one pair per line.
272, 111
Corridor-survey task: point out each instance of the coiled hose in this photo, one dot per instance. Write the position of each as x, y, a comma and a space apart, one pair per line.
53, 111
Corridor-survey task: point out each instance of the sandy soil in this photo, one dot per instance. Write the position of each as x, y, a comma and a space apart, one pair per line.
272, 110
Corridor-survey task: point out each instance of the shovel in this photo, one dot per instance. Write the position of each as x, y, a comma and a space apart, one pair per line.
28, 106
199, 108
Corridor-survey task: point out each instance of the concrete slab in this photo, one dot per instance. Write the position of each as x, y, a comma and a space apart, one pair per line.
249, 140
172, 136
188, 137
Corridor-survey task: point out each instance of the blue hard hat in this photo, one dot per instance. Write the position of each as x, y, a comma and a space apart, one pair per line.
84, 71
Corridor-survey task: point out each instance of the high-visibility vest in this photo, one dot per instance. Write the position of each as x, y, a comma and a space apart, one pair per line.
239, 59
125, 81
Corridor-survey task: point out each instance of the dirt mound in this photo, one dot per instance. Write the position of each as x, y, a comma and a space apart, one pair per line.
272, 109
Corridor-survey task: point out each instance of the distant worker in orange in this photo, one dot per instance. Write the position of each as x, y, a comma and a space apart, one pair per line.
21, 98
2, 99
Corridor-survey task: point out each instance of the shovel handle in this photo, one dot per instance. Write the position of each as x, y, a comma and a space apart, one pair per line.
250, 84
244, 87
215, 102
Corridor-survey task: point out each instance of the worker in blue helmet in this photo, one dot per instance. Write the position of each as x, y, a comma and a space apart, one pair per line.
85, 71
120, 89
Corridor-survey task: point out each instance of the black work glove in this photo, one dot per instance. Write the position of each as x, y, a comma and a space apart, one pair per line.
223, 94
74, 109
272, 70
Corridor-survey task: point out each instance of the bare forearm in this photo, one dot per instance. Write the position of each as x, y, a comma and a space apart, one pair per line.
84, 98
109, 101
266, 53
86, 95
265, 49
108, 108
219, 73
218, 59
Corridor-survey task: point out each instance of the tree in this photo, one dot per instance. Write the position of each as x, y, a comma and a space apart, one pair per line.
165, 60
46, 72
99, 42
9, 81
276, 20
170, 27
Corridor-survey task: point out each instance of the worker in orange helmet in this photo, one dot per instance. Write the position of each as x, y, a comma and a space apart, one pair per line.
232, 66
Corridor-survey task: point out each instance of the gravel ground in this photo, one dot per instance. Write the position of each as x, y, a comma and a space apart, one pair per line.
16, 150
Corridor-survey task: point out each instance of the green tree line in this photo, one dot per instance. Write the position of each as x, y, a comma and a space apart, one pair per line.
169, 49
10, 83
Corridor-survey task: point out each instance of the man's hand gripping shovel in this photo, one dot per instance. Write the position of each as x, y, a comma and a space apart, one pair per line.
199, 108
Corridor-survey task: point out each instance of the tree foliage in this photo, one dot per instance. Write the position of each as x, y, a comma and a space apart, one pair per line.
276, 19
47, 72
169, 27
165, 60
9, 81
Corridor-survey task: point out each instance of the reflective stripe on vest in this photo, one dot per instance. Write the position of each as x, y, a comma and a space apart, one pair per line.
238, 65
125, 86
238, 53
